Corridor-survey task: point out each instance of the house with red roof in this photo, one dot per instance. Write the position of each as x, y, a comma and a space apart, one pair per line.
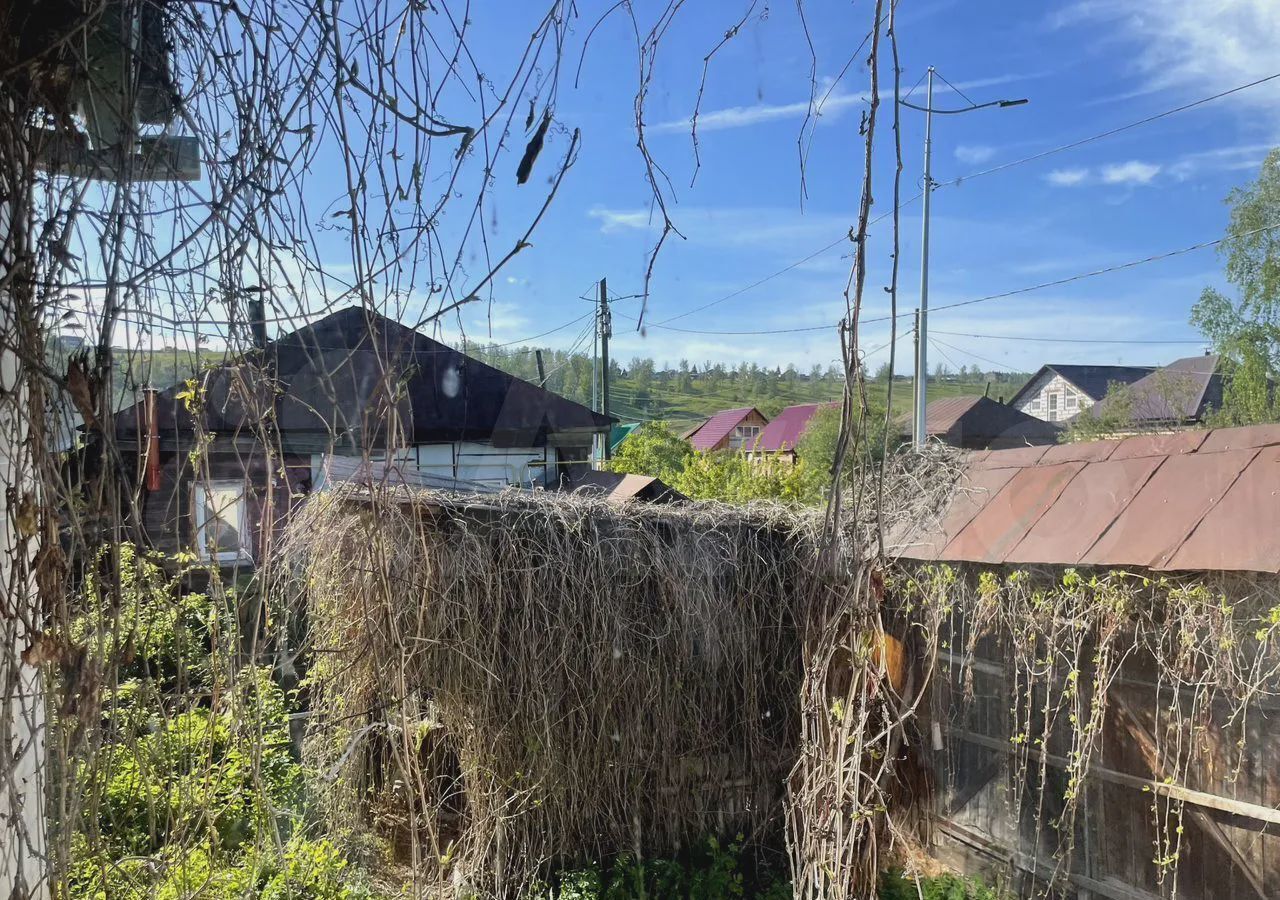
729, 429
780, 436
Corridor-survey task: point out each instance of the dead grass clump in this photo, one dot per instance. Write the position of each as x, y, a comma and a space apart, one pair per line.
505, 680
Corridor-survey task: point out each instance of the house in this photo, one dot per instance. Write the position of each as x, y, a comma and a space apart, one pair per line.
1178, 395
783, 433
729, 429
980, 423
1058, 392
353, 395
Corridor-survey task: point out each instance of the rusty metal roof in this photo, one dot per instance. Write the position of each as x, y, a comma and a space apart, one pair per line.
1188, 501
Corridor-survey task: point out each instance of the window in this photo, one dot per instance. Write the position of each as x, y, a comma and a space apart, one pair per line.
1053, 407
1072, 401
222, 518
744, 436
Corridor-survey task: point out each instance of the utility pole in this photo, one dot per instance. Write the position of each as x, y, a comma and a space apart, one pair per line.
915, 424
542, 372
606, 332
922, 327
922, 314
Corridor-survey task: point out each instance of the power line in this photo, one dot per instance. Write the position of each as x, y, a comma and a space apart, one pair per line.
1058, 282
1103, 271
939, 344
1054, 340
955, 181
1109, 133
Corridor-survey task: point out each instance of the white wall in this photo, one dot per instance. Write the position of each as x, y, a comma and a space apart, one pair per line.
22, 724
1052, 390
468, 461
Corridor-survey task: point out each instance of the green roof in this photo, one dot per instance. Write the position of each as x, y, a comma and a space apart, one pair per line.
620, 433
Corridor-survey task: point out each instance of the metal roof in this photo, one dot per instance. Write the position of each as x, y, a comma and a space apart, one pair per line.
1092, 380
1188, 501
355, 371
1180, 391
716, 428
980, 422
784, 432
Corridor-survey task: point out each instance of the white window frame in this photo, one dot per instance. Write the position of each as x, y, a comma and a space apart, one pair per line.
1073, 402
745, 437
199, 496
1053, 407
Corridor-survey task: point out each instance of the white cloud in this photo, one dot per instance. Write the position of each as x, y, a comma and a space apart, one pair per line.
974, 154
1240, 158
1067, 177
1132, 172
1193, 46
613, 220
828, 103
774, 229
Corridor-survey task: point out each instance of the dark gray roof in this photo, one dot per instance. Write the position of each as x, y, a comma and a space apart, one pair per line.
347, 373
1181, 391
980, 423
1092, 380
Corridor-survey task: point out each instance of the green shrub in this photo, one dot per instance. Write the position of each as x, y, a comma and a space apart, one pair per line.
191, 788
712, 871
894, 885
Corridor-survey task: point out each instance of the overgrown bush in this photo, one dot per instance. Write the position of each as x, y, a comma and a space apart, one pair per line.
714, 870
719, 870
191, 787
894, 885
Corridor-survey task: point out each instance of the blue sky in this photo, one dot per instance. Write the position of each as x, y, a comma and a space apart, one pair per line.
1086, 67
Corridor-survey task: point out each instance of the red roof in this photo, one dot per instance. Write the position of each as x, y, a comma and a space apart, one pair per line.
718, 427
1204, 501
784, 431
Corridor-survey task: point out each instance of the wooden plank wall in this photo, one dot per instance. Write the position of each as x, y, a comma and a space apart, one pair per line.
1231, 833
167, 514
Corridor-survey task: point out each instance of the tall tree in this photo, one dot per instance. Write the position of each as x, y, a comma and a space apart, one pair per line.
1245, 329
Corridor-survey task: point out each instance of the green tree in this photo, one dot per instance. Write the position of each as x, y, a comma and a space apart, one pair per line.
653, 449
817, 446
733, 478
1246, 329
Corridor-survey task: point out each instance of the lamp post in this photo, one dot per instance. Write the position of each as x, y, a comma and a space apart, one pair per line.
922, 328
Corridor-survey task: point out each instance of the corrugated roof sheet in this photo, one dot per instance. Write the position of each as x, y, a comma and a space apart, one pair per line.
784, 432
716, 428
1190, 501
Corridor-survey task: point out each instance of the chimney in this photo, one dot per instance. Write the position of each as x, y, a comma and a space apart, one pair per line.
258, 321
151, 427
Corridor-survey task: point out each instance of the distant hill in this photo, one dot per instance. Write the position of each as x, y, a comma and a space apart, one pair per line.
638, 390
688, 393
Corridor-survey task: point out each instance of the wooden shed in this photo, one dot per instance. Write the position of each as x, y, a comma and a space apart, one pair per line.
1151, 765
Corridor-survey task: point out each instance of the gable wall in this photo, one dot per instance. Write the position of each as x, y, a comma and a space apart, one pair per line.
1068, 398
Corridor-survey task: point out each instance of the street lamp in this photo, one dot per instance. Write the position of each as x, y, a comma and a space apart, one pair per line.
922, 333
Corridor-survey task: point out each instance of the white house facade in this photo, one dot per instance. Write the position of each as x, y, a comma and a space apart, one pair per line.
1059, 392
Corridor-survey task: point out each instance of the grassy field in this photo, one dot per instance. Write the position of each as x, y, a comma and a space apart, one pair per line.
684, 409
